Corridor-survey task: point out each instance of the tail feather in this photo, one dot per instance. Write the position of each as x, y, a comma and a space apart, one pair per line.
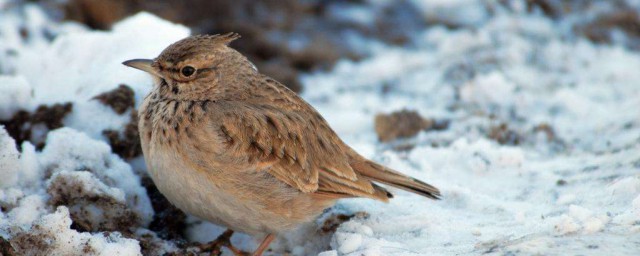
379, 193
379, 173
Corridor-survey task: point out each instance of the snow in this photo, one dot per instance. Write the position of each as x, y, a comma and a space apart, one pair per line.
575, 190
454, 12
14, 95
81, 172
65, 241
95, 168
9, 163
499, 199
84, 63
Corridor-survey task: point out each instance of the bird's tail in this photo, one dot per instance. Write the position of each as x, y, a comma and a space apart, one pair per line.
382, 174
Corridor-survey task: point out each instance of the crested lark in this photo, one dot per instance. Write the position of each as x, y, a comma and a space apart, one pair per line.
235, 147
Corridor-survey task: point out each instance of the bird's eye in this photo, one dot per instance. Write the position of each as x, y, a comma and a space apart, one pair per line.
187, 71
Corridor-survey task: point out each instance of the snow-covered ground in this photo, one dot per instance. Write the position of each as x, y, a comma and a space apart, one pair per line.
570, 185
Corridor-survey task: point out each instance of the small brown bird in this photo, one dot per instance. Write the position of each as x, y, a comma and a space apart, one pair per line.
237, 148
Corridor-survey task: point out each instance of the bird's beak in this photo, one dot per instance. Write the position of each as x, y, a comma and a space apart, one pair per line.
144, 65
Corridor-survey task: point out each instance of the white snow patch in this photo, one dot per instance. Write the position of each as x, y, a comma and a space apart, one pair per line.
9, 162
15, 94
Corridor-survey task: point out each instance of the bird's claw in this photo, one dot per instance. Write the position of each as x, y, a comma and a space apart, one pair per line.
224, 240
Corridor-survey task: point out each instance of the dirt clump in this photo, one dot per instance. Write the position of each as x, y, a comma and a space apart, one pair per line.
561, 182
504, 135
6, 249
331, 224
603, 29
547, 130
547, 7
51, 116
20, 126
126, 143
92, 207
32, 243
120, 99
404, 124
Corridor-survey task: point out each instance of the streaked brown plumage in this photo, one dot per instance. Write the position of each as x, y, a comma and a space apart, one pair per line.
235, 147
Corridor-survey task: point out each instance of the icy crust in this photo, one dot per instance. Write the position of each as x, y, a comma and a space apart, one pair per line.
10, 160
96, 172
51, 235
551, 206
76, 179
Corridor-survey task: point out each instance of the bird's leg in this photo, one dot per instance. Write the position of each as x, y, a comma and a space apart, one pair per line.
215, 246
264, 245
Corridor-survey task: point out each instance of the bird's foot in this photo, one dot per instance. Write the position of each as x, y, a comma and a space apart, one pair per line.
224, 240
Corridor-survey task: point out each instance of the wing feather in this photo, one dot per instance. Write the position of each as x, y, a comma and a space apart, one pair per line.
284, 145
283, 135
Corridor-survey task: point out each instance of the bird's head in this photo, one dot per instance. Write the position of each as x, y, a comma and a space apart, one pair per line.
194, 66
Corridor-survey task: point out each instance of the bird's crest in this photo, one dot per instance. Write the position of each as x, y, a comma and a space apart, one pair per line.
225, 39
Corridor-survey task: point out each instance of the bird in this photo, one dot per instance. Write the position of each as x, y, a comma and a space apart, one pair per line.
235, 147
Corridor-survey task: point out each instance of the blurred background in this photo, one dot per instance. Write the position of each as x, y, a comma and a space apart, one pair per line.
285, 37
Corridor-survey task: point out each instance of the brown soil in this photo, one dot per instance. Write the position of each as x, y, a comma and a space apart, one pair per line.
20, 125
548, 131
87, 207
400, 124
6, 249
504, 135
126, 144
120, 99
601, 29
32, 243
332, 223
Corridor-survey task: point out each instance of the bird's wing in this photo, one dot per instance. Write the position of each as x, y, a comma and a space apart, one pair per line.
295, 145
